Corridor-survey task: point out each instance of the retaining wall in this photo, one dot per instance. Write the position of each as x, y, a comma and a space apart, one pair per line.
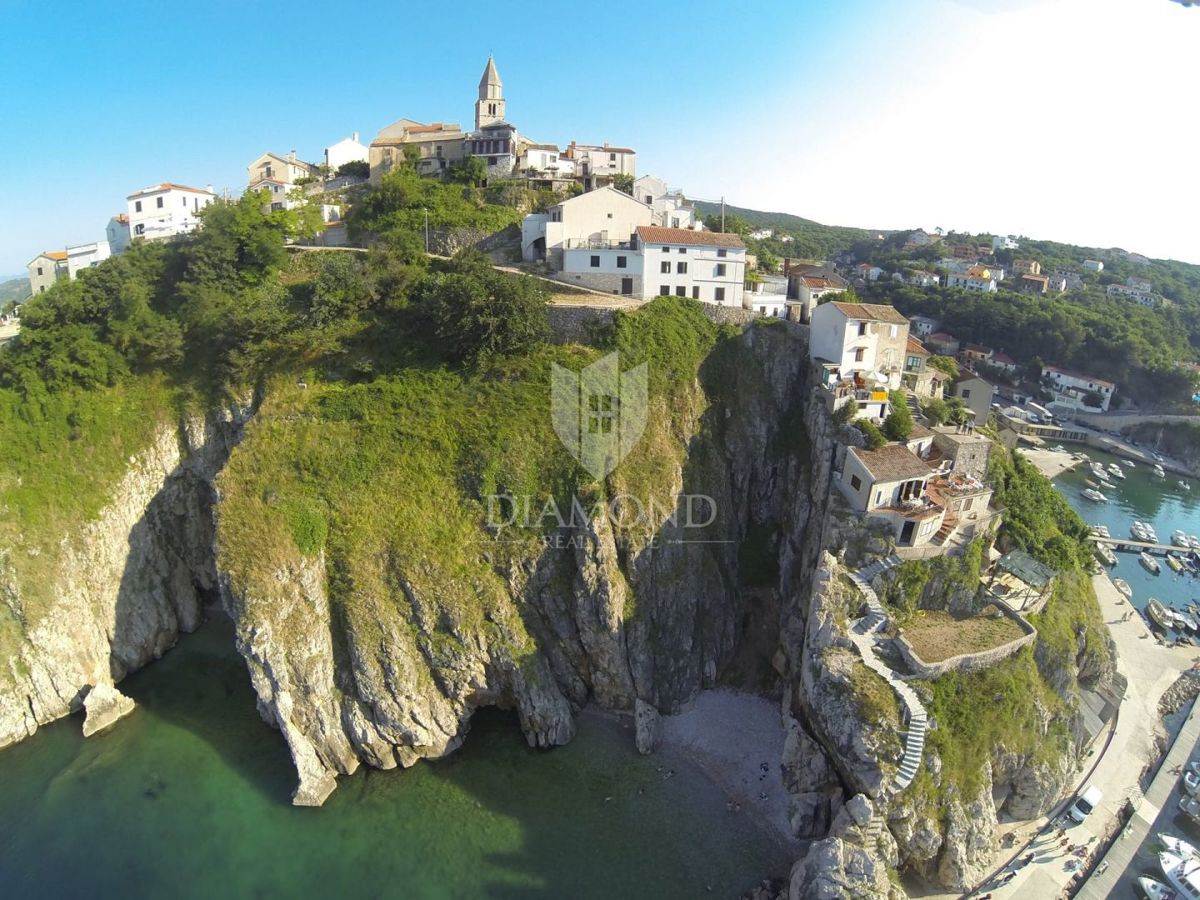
577, 323
967, 662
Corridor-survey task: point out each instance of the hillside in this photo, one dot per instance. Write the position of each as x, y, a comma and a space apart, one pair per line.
811, 239
13, 289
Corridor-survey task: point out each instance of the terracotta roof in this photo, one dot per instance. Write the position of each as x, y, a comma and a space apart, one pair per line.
652, 234
918, 432
168, 186
821, 284
976, 348
940, 337
122, 217
55, 254
915, 346
875, 312
1080, 376
892, 462
1002, 358
1043, 279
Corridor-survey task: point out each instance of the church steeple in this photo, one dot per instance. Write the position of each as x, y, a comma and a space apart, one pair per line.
489, 108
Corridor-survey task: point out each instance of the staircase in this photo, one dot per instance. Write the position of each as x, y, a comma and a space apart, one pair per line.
862, 635
943, 533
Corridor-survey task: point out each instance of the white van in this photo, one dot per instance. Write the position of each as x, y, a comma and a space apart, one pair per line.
1085, 803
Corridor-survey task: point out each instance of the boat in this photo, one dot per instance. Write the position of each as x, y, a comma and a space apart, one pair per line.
1105, 555
1183, 874
1188, 621
1154, 890
1095, 496
1123, 586
1183, 484
1091, 484
1179, 539
1190, 807
1117, 473
1174, 563
1129, 463
1149, 563
1099, 530
1158, 614
1143, 531
1158, 471
1194, 542
1178, 846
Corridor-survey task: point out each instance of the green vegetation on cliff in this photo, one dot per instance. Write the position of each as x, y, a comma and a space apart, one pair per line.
1037, 519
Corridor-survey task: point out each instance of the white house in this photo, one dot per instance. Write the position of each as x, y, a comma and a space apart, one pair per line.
1008, 242
923, 326
601, 219
762, 234
868, 272
703, 265
805, 290
768, 296
671, 208
117, 232
45, 269
165, 210
860, 348
1093, 265
595, 163
84, 256
922, 278
1143, 297
285, 169
976, 278
1071, 388
545, 159
346, 150
890, 484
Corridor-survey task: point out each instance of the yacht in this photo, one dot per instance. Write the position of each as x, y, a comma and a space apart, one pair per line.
1183, 874
1178, 846
1154, 890
1105, 555
1179, 539
1094, 495
1123, 586
1191, 782
1115, 472
1159, 614
1149, 563
1099, 530
1190, 807
1194, 542
1188, 622
1129, 463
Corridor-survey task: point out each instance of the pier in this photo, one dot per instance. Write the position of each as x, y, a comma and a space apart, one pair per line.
1132, 545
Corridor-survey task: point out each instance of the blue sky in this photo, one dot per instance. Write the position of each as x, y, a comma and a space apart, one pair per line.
1065, 119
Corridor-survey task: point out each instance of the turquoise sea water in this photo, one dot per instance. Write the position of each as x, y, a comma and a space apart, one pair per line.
189, 797
1142, 496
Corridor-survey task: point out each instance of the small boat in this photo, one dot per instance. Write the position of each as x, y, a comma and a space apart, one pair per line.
1092, 484
1194, 542
1174, 563
1095, 496
1129, 463
1158, 614
1181, 874
1183, 484
1179, 539
1189, 623
1143, 532
1099, 530
1117, 473
1190, 807
1158, 472
1123, 586
1105, 555
1149, 563
1154, 890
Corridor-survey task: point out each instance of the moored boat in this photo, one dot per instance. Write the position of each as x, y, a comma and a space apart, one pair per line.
1129, 463
1183, 484
1094, 495
1179, 539
1158, 614
1105, 555
1178, 846
1174, 563
1149, 563
1123, 586
1186, 618
1154, 890
1183, 874
1158, 472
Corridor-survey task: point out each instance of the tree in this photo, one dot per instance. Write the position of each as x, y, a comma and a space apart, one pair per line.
870, 431
767, 261
899, 422
935, 410
624, 183
845, 413
471, 170
480, 313
356, 168
944, 364
733, 224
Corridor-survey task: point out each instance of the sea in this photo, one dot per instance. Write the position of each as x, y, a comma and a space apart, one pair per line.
1142, 496
189, 796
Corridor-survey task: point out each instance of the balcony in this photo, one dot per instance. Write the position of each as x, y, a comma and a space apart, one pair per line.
598, 244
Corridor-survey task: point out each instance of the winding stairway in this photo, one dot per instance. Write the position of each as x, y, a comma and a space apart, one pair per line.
862, 634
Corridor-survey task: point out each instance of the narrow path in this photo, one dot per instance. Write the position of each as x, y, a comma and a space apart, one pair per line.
862, 635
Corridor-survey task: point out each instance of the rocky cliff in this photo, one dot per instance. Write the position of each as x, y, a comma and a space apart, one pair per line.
125, 584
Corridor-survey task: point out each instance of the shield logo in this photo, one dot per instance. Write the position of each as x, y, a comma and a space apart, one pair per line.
599, 413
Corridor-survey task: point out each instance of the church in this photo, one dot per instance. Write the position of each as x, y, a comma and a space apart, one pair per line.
438, 145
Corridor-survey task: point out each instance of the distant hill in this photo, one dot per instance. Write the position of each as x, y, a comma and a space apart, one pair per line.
810, 239
14, 288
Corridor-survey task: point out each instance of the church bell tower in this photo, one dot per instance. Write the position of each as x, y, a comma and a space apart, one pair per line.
489, 108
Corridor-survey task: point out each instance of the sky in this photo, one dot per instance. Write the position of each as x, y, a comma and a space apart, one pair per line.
1071, 120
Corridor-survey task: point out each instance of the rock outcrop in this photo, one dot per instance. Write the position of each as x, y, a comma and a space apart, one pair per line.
126, 583
104, 705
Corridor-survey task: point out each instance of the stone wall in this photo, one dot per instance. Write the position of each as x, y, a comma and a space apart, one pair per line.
578, 323
968, 662
608, 282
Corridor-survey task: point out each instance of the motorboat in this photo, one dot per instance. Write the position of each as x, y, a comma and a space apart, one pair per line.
1183, 484
1178, 846
1183, 874
1194, 542
1094, 495
1149, 563
1099, 530
1174, 563
1159, 614
1105, 555
1144, 531
1158, 471
1129, 463
1115, 472
1091, 484
1179, 539
1154, 890
1123, 586
1189, 622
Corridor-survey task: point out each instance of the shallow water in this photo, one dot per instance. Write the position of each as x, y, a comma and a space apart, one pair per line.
1159, 501
189, 797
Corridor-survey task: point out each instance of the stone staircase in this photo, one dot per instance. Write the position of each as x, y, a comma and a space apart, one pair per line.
862, 635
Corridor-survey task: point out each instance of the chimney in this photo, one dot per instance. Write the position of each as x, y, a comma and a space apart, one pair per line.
208, 187
354, 137
292, 155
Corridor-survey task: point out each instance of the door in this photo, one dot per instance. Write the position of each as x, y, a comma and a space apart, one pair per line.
627, 286
906, 533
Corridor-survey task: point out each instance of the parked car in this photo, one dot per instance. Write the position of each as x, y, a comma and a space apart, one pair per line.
1085, 803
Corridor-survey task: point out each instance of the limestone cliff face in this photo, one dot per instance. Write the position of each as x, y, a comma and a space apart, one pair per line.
611, 615
127, 583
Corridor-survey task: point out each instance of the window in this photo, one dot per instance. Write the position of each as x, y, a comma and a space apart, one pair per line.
666, 249
720, 269
878, 497
862, 329
674, 222
892, 331
683, 249
42, 289
621, 262
664, 290
595, 262
137, 206
858, 354
719, 295
722, 253
681, 268
612, 157
681, 291
966, 394
184, 199
139, 228
610, 215
665, 268
695, 292
649, 200
855, 482
158, 201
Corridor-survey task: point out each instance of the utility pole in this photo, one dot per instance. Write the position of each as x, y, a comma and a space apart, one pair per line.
426, 211
722, 213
